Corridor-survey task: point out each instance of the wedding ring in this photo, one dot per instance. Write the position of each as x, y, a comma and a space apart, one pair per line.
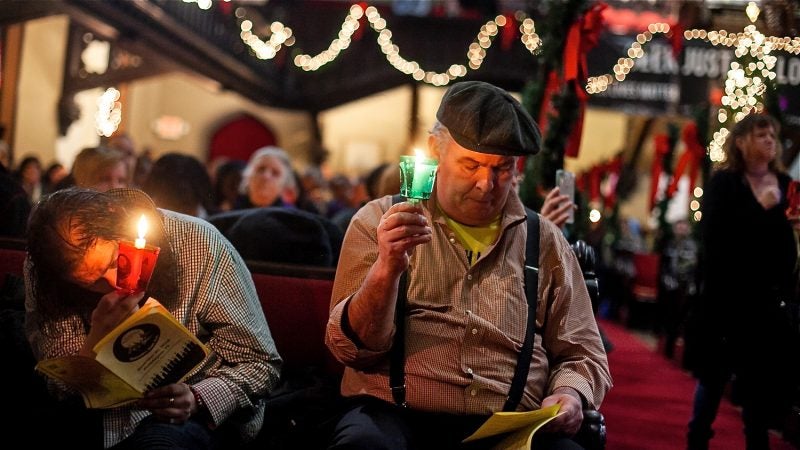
171, 401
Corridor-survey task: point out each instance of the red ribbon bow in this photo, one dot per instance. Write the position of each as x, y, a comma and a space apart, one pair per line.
509, 33
691, 158
362, 23
582, 36
661, 142
793, 199
675, 38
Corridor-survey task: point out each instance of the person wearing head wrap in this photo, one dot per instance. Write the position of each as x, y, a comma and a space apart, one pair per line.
465, 314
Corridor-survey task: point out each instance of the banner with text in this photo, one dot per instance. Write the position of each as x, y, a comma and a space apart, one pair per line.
660, 84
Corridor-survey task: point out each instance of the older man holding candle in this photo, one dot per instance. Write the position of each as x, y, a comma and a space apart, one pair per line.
461, 256
72, 301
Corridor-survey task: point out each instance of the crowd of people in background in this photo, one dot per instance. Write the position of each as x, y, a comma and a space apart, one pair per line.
221, 191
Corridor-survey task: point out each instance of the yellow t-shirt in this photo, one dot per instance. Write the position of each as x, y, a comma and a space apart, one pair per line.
474, 239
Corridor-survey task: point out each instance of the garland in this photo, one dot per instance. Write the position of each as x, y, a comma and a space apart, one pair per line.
664, 228
560, 110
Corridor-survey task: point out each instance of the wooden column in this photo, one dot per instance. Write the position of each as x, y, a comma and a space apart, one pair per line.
10, 55
317, 154
413, 120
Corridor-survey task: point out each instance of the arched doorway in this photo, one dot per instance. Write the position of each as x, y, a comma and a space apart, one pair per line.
238, 138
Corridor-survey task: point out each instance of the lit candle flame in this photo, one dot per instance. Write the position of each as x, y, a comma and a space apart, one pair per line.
142, 228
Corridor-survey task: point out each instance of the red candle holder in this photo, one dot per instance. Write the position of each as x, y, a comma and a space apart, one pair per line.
135, 266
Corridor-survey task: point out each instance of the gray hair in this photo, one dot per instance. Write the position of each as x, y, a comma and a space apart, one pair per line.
271, 151
441, 136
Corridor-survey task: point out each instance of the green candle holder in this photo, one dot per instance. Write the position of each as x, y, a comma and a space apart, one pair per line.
417, 174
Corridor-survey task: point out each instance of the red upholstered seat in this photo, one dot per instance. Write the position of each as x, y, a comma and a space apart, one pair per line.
12, 257
296, 301
642, 310
645, 283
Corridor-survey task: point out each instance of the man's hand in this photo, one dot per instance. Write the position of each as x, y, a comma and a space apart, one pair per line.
556, 207
569, 422
400, 229
371, 310
769, 197
110, 311
173, 403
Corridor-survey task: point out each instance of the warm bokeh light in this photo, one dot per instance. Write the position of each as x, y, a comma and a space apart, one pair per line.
280, 35
698, 191
109, 112
598, 84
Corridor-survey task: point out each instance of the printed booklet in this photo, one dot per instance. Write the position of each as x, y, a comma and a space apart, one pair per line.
520, 427
149, 349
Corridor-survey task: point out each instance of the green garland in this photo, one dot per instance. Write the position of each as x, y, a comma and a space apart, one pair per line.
664, 234
553, 25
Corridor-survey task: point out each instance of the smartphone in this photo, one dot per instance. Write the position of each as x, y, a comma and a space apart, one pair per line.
565, 181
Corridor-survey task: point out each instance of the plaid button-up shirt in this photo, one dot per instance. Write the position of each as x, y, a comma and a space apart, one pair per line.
466, 324
212, 293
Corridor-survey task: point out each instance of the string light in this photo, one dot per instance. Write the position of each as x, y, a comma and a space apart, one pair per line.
280, 35
598, 84
745, 84
349, 26
752, 11
202, 4
109, 112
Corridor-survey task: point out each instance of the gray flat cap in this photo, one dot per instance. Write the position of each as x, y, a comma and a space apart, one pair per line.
484, 118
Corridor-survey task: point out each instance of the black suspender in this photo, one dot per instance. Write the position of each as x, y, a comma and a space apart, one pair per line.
532, 295
397, 355
531, 277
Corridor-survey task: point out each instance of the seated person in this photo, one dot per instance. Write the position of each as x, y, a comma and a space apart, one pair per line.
99, 168
52, 176
227, 178
286, 235
266, 180
72, 302
15, 206
269, 179
180, 183
466, 311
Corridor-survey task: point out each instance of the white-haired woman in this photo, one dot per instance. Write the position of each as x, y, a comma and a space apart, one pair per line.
267, 179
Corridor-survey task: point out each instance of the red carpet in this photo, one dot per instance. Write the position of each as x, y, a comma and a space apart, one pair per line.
651, 401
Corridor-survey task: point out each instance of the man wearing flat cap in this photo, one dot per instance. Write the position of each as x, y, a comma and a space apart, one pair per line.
453, 267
